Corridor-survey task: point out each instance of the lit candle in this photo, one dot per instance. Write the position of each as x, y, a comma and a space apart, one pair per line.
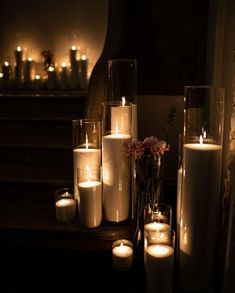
116, 166
159, 268
51, 78
63, 77
27, 76
83, 157
197, 228
90, 205
18, 67
82, 69
6, 71
74, 83
155, 232
120, 118
65, 209
122, 256
37, 82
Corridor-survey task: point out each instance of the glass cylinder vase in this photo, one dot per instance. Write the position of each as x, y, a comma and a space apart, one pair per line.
115, 163
122, 84
86, 146
201, 167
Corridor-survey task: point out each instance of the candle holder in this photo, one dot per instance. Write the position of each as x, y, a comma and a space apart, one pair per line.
201, 167
90, 195
65, 205
122, 255
86, 146
159, 260
157, 224
116, 165
122, 83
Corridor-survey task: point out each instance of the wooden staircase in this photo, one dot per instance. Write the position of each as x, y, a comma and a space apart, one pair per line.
36, 142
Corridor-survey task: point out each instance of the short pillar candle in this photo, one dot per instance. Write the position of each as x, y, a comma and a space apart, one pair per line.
122, 255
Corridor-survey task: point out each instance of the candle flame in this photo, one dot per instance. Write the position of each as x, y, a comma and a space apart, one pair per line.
37, 76
63, 64
83, 57
1, 74
123, 101
30, 59
201, 139
6, 63
204, 134
18, 49
74, 48
51, 69
86, 141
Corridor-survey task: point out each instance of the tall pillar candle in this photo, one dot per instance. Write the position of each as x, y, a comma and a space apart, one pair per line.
28, 72
159, 268
198, 217
82, 72
73, 68
200, 187
116, 164
6, 79
18, 67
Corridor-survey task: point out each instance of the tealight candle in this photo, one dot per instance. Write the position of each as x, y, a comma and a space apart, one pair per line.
65, 205
65, 209
122, 255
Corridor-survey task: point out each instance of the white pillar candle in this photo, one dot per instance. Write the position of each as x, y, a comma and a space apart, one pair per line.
116, 178
121, 118
81, 158
82, 69
6, 71
90, 206
18, 66
51, 78
28, 69
37, 82
74, 68
122, 257
65, 209
199, 209
159, 268
63, 77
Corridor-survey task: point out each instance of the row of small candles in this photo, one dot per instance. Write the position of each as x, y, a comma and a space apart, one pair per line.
24, 76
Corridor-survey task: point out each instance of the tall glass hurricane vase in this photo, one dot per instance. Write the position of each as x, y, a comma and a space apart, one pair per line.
201, 171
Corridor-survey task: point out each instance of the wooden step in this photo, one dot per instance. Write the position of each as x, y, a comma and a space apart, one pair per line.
50, 105
36, 164
36, 133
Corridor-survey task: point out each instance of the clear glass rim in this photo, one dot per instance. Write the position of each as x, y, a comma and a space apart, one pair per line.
85, 121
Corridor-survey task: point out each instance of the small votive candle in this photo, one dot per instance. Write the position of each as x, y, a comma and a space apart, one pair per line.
65, 205
122, 255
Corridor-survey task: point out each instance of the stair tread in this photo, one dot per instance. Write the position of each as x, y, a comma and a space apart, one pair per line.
37, 220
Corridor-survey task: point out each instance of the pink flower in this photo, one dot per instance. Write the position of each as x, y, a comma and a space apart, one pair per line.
135, 147
160, 148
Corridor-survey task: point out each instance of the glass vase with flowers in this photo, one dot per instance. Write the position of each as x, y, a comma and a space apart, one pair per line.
147, 168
